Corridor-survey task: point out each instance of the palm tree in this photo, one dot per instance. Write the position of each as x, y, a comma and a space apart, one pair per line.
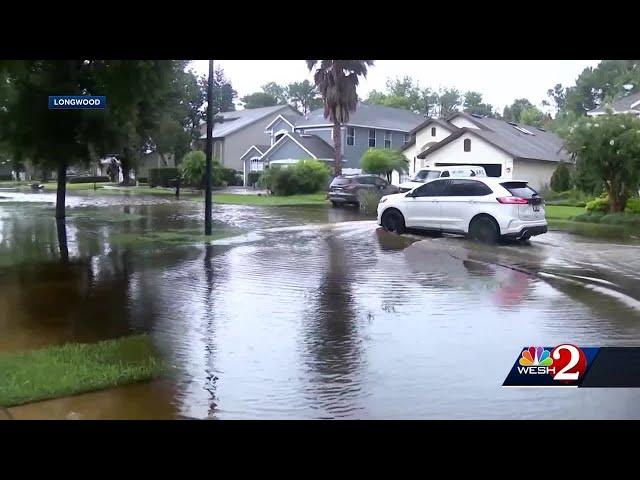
337, 81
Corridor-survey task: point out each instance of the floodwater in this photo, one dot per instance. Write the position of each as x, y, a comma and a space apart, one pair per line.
312, 313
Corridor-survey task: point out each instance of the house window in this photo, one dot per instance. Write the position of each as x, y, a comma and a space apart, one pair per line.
387, 139
467, 145
256, 165
351, 135
372, 138
433, 131
407, 138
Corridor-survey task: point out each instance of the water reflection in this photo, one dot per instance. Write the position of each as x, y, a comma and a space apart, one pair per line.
331, 338
316, 315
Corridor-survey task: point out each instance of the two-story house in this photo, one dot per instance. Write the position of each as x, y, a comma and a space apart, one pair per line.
311, 137
242, 128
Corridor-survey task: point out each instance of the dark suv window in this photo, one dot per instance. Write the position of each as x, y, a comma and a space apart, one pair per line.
431, 189
367, 180
340, 181
381, 183
520, 189
466, 188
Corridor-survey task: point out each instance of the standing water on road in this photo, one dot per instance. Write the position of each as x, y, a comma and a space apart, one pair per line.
307, 312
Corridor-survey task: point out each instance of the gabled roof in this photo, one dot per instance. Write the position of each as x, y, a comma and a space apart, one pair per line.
542, 145
371, 116
624, 104
312, 144
425, 124
234, 121
260, 149
290, 118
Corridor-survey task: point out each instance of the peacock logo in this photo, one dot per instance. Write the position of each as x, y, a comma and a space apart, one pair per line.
535, 356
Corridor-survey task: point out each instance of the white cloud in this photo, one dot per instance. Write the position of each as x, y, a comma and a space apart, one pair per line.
499, 81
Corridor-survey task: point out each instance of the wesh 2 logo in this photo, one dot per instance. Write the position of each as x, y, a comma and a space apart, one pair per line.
564, 365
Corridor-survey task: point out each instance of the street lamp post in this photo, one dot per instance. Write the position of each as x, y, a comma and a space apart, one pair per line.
209, 153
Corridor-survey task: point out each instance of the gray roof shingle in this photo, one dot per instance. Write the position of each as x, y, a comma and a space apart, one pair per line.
316, 145
374, 116
620, 105
542, 145
234, 121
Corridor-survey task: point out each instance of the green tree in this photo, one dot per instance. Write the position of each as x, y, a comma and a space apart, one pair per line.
135, 90
513, 112
278, 92
561, 178
259, 100
449, 100
558, 96
608, 147
532, 116
223, 92
473, 104
382, 161
337, 82
303, 96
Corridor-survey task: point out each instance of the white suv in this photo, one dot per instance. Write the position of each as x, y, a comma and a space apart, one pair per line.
432, 173
485, 209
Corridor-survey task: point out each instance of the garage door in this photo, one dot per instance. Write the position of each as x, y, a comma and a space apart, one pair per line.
492, 169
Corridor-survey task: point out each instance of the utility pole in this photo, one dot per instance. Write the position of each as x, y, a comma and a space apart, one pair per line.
207, 181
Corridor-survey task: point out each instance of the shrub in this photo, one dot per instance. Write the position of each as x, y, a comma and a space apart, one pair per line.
265, 179
561, 178
312, 175
143, 180
598, 205
193, 167
368, 201
307, 176
590, 217
90, 179
6, 177
633, 206
621, 219
230, 177
252, 178
163, 176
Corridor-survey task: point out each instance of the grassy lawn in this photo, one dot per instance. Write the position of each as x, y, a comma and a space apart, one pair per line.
561, 212
271, 200
74, 186
76, 368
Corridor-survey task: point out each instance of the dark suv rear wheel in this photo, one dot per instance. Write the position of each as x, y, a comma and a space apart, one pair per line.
393, 221
484, 229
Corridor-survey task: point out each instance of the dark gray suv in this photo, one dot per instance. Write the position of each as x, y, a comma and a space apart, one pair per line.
348, 188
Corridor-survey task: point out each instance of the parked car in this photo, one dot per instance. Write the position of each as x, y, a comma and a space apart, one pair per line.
346, 189
483, 208
432, 173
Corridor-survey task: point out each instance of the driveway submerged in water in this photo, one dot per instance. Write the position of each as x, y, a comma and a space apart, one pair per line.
317, 313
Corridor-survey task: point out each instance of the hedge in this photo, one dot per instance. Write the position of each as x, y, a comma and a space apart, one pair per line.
90, 179
6, 177
163, 176
143, 180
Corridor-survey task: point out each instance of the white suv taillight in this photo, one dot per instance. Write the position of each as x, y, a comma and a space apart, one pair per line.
513, 200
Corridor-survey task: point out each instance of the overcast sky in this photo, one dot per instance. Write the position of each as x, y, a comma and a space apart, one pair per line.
499, 81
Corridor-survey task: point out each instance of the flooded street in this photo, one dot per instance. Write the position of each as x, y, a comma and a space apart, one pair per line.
313, 312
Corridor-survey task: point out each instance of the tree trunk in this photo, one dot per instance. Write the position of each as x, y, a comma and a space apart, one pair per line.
62, 190
337, 147
61, 226
126, 168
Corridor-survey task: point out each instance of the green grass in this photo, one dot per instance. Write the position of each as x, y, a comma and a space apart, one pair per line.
167, 238
76, 368
562, 212
271, 200
75, 186
590, 229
